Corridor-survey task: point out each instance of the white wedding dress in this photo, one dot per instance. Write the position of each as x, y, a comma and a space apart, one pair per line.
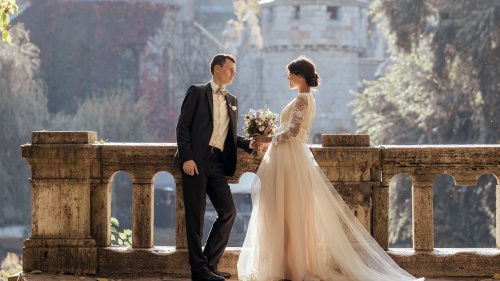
300, 228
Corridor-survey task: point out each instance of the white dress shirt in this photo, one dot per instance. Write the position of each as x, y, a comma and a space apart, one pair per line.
221, 118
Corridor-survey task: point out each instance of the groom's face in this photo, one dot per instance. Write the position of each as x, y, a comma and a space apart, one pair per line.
226, 73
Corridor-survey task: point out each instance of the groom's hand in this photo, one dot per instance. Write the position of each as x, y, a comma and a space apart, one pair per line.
189, 167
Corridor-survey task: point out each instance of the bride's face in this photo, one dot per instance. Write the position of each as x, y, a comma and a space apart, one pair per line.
294, 80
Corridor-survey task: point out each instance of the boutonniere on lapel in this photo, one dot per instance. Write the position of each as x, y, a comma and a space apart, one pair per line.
233, 107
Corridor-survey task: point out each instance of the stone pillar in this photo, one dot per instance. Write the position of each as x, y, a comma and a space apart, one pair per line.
142, 213
101, 212
380, 197
423, 217
353, 167
62, 164
180, 217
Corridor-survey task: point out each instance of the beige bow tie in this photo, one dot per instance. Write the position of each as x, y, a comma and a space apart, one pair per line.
221, 92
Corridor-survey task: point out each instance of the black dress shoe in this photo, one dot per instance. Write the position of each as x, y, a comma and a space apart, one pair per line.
226, 275
205, 275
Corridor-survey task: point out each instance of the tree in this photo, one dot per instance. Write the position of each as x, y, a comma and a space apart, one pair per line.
410, 106
241, 7
113, 113
23, 109
437, 90
7, 7
89, 46
177, 56
463, 32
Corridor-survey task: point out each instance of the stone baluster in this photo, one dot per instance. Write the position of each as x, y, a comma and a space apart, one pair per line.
380, 222
423, 216
142, 213
180, 216
62, 164
100, 195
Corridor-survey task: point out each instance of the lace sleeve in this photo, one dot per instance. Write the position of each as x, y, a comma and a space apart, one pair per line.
295, 121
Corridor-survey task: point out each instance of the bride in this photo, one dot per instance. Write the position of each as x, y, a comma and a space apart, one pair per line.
300, 228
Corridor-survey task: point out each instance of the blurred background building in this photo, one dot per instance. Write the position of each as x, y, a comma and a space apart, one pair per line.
335, 34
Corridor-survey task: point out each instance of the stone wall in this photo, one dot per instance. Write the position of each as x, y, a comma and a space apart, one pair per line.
71, 203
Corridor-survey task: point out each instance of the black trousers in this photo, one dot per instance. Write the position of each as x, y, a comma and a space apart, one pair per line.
210, 181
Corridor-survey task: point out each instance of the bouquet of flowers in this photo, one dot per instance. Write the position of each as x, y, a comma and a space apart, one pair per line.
261, 121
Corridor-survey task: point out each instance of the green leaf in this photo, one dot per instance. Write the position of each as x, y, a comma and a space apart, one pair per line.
127, 243
113, 238
15, 9
122, 235
36, 271
115, 221
8, 39
113, 230
120, 242
3, 17
6, 36
127, 232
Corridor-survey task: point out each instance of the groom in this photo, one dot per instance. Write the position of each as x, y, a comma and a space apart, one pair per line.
206, 152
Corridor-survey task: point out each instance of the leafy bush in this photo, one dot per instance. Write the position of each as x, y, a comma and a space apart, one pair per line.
123, 238
10, 266
113, 114
23, 109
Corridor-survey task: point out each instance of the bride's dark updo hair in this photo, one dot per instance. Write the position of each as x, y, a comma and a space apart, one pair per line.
305, 67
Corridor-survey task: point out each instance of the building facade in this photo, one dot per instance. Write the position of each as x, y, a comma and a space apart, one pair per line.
334, 33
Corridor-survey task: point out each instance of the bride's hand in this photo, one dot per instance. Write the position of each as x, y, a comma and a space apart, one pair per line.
261, 140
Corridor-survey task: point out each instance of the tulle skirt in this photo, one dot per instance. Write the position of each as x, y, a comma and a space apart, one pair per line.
301, 229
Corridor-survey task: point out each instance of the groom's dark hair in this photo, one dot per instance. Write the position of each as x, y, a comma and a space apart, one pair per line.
219, 60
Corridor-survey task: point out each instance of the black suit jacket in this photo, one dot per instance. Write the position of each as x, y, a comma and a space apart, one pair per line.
195, 127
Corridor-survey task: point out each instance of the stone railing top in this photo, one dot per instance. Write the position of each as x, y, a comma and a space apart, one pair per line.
345, 140
62, 137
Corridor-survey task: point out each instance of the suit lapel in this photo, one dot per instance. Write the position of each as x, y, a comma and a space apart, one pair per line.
231, 113
210, 96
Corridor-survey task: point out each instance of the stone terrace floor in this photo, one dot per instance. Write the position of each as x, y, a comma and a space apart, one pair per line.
53, 277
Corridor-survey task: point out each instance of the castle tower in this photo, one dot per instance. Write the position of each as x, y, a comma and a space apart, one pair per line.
332, 33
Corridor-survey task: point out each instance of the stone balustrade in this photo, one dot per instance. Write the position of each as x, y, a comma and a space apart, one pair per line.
71, 201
